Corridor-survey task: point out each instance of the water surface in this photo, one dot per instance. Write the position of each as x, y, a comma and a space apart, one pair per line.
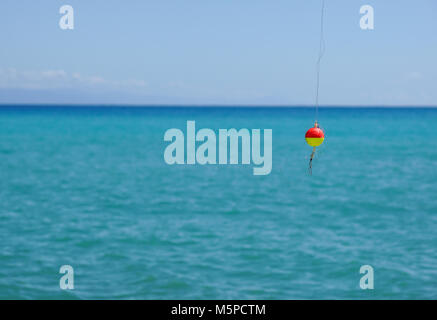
89, 187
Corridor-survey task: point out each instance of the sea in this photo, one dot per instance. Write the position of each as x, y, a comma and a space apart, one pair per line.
88, 187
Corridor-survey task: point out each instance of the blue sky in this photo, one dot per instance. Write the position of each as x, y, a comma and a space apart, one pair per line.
222, 52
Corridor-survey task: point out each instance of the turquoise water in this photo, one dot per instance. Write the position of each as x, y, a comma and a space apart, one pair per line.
88, 187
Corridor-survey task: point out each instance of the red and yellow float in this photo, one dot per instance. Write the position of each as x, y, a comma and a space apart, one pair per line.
315, 136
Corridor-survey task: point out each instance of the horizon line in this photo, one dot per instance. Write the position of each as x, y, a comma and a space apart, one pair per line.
197, 105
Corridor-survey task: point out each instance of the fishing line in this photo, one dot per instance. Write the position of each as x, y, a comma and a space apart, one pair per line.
321, 53
315, 136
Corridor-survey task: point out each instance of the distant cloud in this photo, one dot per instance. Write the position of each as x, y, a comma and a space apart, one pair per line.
11, 78
54, 74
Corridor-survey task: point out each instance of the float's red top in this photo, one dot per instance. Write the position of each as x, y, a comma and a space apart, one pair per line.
314, 133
